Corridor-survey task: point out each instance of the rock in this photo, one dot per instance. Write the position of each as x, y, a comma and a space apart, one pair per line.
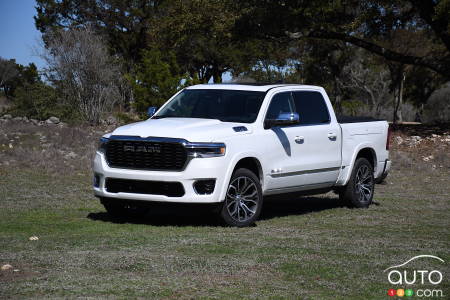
71, 155
33, 238
6, 267
17, 119
25, 119
7, 117
399, 140
428, 158
54, 120
111, 120
48, 121
34, 121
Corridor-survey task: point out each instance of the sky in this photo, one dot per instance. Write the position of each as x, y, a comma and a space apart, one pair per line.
18, 35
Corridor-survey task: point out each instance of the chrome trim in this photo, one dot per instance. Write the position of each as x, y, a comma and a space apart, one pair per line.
299, 188
204, 145
305, 172
102, 144
148, 139
185, 143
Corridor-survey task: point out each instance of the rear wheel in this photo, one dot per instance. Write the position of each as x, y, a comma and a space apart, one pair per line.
243, 202
359, 190
117, 208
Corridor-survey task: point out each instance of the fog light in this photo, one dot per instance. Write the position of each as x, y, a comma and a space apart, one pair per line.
204, 186
96, 181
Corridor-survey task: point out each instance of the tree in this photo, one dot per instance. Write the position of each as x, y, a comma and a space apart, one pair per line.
156, 80
8, 71
125, 23
359, 23
201, 34
79, 65
370, 81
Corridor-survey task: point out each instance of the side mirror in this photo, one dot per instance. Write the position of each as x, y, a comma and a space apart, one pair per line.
151, 111
283, 119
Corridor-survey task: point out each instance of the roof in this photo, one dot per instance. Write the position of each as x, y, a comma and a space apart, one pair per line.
245, 87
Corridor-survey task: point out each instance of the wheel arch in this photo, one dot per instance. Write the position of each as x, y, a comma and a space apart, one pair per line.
252, 164
369, 154
365, 150
247, 161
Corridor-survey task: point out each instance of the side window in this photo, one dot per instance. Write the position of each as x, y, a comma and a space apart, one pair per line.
280, 103
311, 107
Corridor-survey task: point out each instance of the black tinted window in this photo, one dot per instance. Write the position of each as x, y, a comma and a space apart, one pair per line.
281, 103
224, 105
311, 107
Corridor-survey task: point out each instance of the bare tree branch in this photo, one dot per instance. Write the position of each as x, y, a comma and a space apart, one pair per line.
79, 63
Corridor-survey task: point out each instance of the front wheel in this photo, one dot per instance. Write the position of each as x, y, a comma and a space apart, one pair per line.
243, 201
359, 190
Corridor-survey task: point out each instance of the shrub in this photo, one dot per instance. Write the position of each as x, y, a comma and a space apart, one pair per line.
437, 109
38, 101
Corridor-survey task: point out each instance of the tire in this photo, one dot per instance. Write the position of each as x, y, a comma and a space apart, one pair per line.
117, 208
243, 201
360, 188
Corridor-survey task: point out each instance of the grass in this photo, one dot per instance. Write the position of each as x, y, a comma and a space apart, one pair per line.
307, 248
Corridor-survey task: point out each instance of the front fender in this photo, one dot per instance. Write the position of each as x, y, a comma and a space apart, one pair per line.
229, 171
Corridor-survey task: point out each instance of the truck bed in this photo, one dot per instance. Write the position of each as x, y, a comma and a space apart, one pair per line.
357, 119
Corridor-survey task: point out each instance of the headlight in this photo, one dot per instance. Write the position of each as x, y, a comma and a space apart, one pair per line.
205, 149
102, 145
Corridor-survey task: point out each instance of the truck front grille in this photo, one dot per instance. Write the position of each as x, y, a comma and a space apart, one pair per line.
169, 189
146, 155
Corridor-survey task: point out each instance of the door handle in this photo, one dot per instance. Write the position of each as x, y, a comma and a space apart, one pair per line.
299, 139
332, 136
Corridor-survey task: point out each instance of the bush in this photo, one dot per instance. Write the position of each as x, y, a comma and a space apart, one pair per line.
437, 108
38, 101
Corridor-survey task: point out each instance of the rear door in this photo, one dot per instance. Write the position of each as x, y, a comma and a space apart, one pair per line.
319, 154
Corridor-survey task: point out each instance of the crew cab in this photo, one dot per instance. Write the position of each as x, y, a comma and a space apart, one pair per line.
233, 145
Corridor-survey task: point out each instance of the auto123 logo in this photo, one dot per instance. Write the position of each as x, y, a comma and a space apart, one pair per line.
420, 282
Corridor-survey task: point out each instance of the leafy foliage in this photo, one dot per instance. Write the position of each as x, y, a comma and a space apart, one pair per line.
8, 72
162, 44
39, 101
156, 80
125, 23
365, 24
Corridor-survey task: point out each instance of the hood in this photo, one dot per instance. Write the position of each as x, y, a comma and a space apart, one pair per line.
191, 129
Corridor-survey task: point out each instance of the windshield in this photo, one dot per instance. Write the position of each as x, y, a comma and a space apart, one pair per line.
224, 105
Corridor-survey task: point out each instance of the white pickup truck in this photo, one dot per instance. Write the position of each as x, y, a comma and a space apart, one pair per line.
233, 144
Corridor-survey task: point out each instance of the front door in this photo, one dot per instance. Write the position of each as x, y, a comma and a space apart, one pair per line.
310, 152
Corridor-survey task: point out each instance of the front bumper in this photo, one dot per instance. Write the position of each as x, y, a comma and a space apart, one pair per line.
197, 169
